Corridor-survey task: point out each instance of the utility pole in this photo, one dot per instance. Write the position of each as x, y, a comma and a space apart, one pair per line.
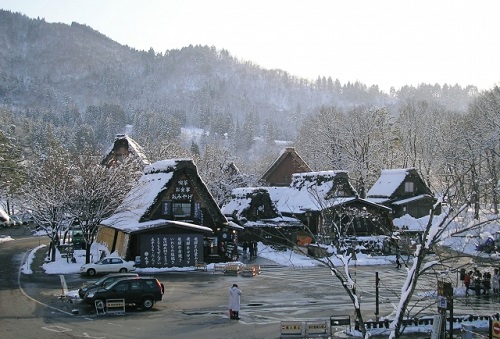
377, 281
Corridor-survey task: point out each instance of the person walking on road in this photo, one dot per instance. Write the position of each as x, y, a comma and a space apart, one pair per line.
477, 282
467, 282
234, 302
254, 249
251, 249
398, 262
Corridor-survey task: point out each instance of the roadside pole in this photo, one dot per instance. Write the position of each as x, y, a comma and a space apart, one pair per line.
445, 302
377, 281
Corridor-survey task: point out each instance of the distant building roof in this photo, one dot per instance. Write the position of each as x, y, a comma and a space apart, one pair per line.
133, 148
312, 191
241, 202
281, 170
388, 183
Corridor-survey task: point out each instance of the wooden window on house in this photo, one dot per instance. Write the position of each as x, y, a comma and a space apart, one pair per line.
181, 209
120, 153
409, 187
177, 209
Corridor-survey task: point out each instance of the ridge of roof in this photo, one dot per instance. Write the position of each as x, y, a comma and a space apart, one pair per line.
281, 157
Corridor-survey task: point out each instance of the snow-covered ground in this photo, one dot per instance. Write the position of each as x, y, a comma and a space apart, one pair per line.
466, 242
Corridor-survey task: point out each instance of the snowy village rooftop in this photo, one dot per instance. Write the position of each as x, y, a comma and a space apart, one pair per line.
309, 192
156, 178
133, 147
388, 182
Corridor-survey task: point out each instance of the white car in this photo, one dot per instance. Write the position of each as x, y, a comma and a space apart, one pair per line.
108, 265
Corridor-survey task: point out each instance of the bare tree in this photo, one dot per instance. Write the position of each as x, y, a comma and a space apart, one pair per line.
217, 168
359, 141
48, 192
96, 192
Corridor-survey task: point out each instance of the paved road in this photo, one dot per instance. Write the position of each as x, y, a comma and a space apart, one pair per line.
195, 303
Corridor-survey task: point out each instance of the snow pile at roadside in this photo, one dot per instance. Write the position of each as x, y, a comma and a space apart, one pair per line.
4, 238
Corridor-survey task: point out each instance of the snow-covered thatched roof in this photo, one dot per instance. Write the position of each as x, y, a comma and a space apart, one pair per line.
388, 182
133, 147
241, 202
277, 192
312, 191
156, 179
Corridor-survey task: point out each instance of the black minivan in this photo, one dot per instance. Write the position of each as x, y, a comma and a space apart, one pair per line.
142, 292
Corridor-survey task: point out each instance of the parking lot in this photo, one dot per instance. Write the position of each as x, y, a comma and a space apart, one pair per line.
198, 299
195, 302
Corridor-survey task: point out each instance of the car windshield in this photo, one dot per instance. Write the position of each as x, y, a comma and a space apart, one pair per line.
100, 281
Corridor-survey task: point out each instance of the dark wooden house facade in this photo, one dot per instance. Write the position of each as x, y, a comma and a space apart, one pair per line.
170, 219
329, 206
404, 191
281, 170
252, 208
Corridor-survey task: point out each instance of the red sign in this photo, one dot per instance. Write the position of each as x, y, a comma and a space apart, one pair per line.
496, 329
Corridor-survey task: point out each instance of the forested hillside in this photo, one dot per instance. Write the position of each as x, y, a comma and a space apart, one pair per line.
73, 75
71, 85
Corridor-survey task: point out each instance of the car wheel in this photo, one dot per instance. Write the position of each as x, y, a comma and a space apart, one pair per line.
123, 270
147, 303
91, 272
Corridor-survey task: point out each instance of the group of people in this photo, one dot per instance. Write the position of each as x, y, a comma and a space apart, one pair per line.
251, 246
482, 282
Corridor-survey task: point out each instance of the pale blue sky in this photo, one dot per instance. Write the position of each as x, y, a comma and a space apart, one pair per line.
386, 42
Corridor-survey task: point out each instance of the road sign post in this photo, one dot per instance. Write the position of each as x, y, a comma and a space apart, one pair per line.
445, 301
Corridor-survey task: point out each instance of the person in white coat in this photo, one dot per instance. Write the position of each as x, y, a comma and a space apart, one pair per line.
234, 301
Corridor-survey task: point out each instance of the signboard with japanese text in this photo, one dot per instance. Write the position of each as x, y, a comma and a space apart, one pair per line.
171, 250
183, 191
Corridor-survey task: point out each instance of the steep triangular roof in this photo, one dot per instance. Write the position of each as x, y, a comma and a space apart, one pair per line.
390, 180
300, 165
241, 202
134, 149
134, 213
314, 191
